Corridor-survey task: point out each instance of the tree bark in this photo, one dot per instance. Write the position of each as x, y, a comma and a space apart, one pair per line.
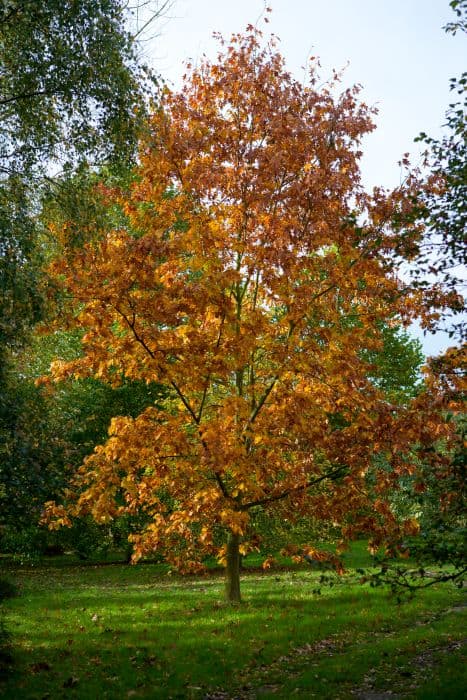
232, 572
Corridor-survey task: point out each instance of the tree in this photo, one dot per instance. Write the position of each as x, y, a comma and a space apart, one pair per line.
73, 95
71, 82
396, 367
442, 253
438, 551
437, 492
72, 89
251, 277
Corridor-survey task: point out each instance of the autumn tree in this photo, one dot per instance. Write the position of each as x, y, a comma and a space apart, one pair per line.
253, 277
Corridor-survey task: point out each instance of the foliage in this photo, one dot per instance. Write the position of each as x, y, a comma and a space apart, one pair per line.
437, 492
254, 278
47, 436
20, 281
460, 9
71, 81
396, 367
438, 552
73, 90
443, 531
444, 208
31, 468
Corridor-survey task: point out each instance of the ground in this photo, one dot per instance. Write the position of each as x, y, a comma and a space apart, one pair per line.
121, 631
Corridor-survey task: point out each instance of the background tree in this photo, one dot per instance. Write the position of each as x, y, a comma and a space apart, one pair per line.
242, 281
396, 366
72, 89
444, 209
438, 496
73, 96
71, 84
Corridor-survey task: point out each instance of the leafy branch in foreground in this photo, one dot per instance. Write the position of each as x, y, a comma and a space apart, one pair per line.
438, 552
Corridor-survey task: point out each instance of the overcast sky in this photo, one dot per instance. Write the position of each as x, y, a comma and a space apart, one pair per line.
396, 49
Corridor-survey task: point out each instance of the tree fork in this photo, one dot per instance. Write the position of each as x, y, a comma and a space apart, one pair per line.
232, 572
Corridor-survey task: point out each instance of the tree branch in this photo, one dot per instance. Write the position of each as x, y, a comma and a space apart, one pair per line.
261, 403
26, 96
279, 497
196, 419
221, 484
132, 325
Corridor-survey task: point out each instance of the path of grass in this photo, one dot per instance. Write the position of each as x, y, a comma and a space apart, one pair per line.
135, 632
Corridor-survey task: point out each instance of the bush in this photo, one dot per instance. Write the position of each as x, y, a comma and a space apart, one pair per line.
30, 544
27, 544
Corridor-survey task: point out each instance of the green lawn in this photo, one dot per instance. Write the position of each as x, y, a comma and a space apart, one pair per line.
119, 631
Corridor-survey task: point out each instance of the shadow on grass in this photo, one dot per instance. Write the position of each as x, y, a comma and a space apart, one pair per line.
115, 633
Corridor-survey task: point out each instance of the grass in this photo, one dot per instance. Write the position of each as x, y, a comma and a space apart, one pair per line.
137, 632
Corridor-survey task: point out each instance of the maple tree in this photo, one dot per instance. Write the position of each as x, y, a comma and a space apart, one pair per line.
253, 277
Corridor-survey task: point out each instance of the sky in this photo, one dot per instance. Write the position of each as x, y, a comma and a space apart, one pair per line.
396, 50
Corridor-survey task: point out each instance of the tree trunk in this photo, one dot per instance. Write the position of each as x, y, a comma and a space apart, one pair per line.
232, 572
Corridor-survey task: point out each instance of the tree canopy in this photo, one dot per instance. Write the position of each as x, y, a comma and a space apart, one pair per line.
251, 273
72, 89
71, 82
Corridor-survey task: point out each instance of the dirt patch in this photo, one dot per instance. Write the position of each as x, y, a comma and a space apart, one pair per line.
256, 681
259, 680
408, 679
